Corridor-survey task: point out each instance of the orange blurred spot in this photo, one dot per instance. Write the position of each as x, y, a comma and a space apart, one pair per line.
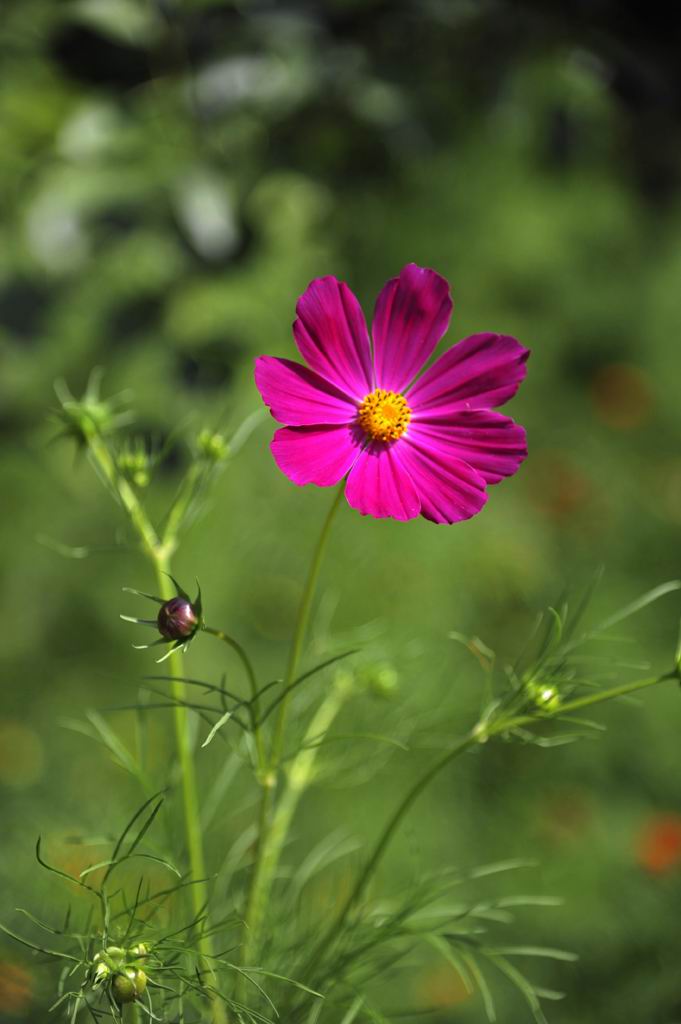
659, 844
15, 989
621, 395
73, 857
21, 755
441, 987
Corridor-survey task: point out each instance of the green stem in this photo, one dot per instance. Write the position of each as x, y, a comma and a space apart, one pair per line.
253, 704
270, 842
298, 777
121, 487
187, 769
182, 501
393, 824
300, 772
584, 702
479, 734
190, 800
159, 554
301, 627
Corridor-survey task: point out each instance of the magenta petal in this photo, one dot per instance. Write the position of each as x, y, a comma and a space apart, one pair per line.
380, 486
297, 396
316, 455
480, 372
450, 490
332, 336
412, 313
491, 443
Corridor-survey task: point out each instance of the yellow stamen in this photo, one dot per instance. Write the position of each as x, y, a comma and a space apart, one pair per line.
384, 415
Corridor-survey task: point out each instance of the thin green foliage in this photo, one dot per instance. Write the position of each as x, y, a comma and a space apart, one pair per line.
148, 926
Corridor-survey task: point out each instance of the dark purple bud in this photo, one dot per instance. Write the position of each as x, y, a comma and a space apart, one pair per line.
177, 619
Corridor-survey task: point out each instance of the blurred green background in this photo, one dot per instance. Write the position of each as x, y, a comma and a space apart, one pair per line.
172, 175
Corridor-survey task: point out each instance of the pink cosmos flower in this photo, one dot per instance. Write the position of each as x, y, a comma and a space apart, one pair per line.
408, 445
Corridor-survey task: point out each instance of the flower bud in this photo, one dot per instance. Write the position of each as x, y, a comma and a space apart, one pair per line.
177, 619
124, 988
102, 972
543, 695
89, 416
380, 678
114, 954
134, 462
212, 446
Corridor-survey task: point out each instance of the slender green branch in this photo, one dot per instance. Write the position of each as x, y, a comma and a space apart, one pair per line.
180, 506
302, 622
298, 777
270, 842
190, 800
394, 822
187, 769
483, 731
159, 554
104, 461
617, 691
260, 880
253, 704
582, 702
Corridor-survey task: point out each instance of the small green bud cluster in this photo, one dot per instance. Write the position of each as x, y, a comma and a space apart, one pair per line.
121, 970
85, 418
212, 446
134, 463
129, 985
380, 678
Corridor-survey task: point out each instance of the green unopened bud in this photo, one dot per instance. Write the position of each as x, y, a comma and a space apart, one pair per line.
123, 988
344, 681
114, 955
544, 696
139, 950
380, 678
85, 418
134, 463
102, 972
212, 446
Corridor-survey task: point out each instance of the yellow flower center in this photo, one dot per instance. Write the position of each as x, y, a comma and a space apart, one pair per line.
384, 415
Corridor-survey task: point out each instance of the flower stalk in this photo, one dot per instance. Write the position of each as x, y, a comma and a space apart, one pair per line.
298, 777
273, 826
301, 628
480, 733
159, 552
253, 704
190, 799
